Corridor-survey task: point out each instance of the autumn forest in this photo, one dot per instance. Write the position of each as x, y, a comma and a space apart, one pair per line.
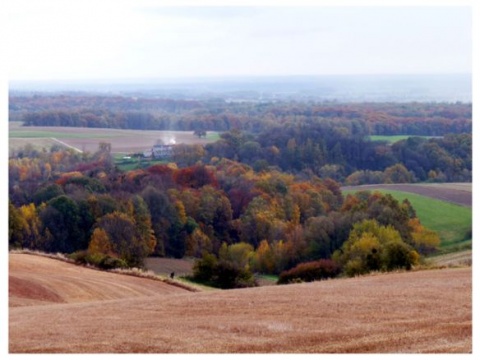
264, 198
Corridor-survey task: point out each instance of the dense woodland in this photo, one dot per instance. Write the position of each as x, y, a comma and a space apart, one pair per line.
231, 217
265, 198
426, 119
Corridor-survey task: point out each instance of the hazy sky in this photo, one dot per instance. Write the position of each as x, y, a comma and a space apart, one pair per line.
105, 39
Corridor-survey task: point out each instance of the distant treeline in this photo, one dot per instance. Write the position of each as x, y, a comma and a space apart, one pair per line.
426, 119
328, 140
333, 152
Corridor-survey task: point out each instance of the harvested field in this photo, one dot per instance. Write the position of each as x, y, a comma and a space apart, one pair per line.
414, 312
87, 139
37, 280
457, 193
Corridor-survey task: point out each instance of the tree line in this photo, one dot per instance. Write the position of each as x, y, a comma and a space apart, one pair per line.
337, 152
425, 119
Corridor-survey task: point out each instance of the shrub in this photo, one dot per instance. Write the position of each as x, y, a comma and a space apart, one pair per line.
79, 257
110, 262
228, 275
224, 274
203, 269
310, 271
102, 261
399, 255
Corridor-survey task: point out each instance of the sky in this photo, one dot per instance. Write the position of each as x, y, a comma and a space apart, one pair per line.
131, 39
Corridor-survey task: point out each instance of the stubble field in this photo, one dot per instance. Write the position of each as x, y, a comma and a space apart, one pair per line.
409, 312
87, 139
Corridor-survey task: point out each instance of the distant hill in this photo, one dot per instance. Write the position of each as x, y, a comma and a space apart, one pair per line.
343, 88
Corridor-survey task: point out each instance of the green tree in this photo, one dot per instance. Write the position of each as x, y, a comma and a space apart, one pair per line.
161, 210
61, 218
204, 268
240, 254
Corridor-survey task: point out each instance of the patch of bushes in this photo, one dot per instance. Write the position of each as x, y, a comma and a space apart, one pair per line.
310, 271
102, 261
223, 274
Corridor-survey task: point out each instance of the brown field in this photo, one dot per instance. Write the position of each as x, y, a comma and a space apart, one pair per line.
165, 266
38, 280
457, 193
87, 139
57, 307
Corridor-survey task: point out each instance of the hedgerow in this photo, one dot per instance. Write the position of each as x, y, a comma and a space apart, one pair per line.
310, 271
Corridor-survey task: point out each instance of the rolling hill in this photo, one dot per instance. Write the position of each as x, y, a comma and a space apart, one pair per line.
56, 307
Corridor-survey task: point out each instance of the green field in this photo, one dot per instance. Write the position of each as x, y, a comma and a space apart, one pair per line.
135, 163
393, 138
213, 136
452, 222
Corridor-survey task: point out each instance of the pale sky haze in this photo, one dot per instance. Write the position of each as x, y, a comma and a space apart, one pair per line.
122, 39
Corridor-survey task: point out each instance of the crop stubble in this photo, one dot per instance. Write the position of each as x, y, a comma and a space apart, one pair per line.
88, 139
424, 311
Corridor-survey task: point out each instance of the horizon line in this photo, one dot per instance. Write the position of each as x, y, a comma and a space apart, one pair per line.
229, 77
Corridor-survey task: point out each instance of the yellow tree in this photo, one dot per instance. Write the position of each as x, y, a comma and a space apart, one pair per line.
31, 230
197, 243
100, 243
264, 260
16, 226
425, 240
373, 247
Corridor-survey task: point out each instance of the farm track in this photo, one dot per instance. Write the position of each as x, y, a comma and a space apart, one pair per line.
413, 312
457, 193
65, 144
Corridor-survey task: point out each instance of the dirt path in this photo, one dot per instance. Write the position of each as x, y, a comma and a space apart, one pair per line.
68, 146
460, 194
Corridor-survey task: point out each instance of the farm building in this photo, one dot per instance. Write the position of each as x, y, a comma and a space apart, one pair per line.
159, 151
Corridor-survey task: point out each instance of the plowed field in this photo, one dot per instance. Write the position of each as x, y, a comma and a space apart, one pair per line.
457, 193
57, 307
